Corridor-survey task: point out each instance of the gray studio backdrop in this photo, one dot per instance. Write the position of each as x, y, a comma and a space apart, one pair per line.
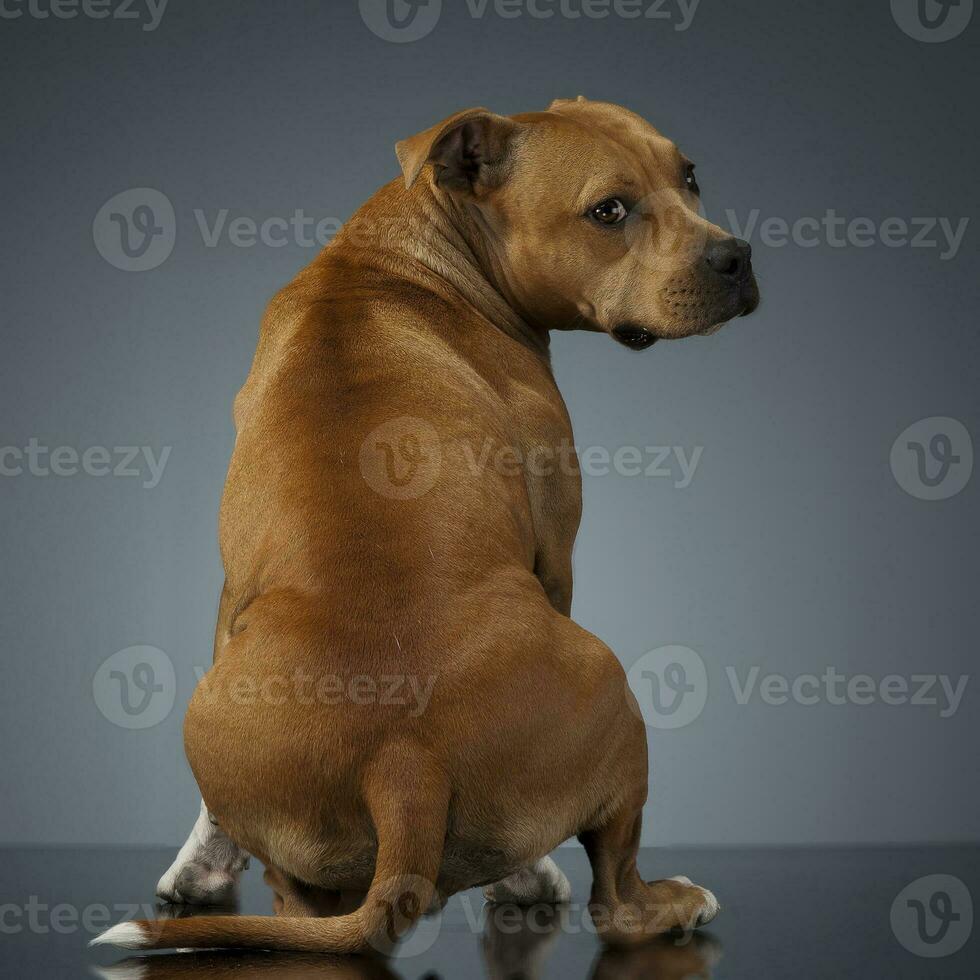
789, 568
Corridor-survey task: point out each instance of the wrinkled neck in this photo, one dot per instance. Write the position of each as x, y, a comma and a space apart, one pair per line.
426, 236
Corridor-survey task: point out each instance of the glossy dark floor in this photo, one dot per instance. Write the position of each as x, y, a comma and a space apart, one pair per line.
785, 913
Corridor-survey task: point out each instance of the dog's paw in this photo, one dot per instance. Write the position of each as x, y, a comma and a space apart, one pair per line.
197, 883
709, 906
541, 883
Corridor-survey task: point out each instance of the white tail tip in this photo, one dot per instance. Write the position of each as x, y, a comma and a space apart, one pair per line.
121, 971
128, 935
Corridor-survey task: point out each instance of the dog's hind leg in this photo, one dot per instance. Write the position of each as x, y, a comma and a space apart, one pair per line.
625, 909
295, 899
406, 794
540, 883
207, 868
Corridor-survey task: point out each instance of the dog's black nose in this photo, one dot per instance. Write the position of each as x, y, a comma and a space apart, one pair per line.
731, 258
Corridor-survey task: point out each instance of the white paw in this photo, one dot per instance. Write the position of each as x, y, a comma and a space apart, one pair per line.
709, 907
194, 883
206, 870
542, 882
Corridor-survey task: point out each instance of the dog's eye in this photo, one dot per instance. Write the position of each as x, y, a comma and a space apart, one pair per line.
609, 212
691, 181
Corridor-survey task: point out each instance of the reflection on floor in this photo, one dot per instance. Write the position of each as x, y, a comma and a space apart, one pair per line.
816, 913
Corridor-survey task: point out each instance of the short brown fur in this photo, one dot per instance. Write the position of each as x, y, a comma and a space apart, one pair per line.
434, 304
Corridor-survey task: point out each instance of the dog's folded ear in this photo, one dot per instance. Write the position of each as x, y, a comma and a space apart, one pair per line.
468, 151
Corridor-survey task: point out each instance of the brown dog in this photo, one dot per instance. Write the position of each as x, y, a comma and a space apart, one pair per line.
399, 516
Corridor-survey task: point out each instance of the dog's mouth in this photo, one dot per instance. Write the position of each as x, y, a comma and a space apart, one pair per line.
750, 297
633, 336
742, 302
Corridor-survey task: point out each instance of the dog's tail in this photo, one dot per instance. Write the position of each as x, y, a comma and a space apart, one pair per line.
408, 802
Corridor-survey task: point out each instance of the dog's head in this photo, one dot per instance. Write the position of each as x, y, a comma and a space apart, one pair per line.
591, 218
